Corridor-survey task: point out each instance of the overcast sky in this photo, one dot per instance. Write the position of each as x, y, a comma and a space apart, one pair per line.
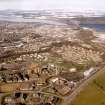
53, 4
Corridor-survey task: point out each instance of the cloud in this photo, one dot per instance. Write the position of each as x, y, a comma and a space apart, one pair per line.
52, 4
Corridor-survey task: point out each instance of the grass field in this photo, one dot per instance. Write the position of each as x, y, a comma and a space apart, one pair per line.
94, 94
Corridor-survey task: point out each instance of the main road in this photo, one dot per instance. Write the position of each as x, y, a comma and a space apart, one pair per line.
68, 99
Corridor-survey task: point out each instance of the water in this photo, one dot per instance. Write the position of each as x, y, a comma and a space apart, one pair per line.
97, 27
15, 19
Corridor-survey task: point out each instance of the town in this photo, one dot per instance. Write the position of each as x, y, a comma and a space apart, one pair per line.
43, 64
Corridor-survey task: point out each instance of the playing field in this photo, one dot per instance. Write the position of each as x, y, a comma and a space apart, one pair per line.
94, 94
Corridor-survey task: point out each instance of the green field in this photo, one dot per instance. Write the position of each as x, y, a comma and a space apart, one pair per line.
94, 94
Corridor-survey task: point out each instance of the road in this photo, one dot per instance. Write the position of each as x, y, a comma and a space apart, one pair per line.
68, 99
29, 91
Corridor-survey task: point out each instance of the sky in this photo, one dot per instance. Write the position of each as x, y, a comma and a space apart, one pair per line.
52, 4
